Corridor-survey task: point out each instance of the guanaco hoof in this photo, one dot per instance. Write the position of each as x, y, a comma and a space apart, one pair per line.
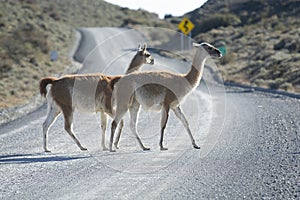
146, 149
163, 149
83, 149
105, 149
196, 146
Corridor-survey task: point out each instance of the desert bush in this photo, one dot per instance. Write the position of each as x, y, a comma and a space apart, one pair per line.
228, 58
216, 21
278, 83
11, 48
24, 41
6, 67
286, 86
28, 33
168, 16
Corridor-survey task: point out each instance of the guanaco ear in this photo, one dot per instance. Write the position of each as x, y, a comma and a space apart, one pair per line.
139, 47
144, 47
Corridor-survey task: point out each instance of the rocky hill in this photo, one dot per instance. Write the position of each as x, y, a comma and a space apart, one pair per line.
261, 37
31, 29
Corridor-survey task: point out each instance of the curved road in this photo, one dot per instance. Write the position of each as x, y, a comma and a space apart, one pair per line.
250, 143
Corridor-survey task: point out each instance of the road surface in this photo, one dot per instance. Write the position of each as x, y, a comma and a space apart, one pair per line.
250, 143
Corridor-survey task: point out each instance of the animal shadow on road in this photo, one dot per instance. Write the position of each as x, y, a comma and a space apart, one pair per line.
37, 158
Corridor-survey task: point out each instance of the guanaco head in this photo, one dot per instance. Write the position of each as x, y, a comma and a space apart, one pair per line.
141, 57
210, 49
144, 56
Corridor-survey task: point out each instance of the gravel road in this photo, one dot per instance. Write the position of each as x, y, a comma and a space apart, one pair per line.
250, 143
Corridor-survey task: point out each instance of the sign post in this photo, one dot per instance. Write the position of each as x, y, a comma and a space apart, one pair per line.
185, 26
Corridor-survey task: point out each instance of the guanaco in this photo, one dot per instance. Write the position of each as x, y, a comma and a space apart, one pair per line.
158, 90
86, 93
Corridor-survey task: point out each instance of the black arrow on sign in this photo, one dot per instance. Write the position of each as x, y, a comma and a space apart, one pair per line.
185, 25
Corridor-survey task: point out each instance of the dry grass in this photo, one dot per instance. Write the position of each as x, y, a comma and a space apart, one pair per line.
262, 51
255, 58
30, 29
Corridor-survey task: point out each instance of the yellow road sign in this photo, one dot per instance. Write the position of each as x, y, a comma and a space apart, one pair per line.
186, 26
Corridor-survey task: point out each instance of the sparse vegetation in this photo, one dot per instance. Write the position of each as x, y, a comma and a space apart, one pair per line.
263, 42
215, 21
30, 29
262, 39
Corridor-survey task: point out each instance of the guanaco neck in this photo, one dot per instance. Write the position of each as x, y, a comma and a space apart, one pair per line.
134, 65
195, 74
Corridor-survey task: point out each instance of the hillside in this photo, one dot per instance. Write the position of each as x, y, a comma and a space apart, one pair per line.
31, 29
261, 37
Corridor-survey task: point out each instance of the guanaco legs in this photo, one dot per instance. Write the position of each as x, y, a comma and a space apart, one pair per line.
87, 93
159, 90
